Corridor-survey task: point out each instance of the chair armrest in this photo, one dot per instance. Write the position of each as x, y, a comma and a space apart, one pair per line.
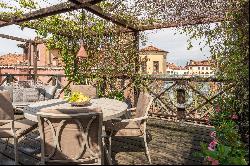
135, 119
116, 119
131, 109
6, 121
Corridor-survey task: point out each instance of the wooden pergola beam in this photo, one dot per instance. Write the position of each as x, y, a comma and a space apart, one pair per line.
79, 2
90, 6
203, 20
15, 38
37, 41
99, 12
49, 11
66, 7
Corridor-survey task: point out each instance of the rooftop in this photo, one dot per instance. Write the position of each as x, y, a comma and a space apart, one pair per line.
175, 67
11, 59
199, 63
152, 48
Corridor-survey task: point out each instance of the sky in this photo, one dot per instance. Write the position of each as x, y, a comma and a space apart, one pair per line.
166, 39
176, 44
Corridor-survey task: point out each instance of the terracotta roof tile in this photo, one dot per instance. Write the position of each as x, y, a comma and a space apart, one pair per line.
11, 59
200, 63
175, 67
152, 48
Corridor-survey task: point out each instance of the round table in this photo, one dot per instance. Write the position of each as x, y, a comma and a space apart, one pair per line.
111, 108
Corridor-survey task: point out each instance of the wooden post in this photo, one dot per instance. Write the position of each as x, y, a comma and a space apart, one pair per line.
54, 80
137, 65
35, 55
9, 78
181, 101
29, 54
104, 85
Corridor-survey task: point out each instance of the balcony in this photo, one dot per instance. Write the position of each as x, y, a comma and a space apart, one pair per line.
177, 123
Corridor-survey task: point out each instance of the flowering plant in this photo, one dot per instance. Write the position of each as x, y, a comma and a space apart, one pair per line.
225, 146
218, 153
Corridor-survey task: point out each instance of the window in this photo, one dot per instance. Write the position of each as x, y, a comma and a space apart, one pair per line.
202, 68
156, 66
206, 68
144, 67
190, 68
198, 68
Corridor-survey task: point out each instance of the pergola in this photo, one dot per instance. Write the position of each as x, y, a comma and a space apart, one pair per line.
143, 15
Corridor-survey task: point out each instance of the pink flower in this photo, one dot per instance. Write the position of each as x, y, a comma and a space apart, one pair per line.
211, 149
213, 134
234, 117
214, 162
210, 158
212, 145
217, 109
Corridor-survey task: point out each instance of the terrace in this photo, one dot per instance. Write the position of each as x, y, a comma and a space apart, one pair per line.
178, 115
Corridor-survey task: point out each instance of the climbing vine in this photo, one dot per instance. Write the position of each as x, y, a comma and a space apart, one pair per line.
229, 46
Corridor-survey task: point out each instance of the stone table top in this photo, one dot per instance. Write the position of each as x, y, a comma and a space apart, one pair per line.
111, 108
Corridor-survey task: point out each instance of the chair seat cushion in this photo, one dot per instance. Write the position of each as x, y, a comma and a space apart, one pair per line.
22, 127
30, 94
131, 128
18, 95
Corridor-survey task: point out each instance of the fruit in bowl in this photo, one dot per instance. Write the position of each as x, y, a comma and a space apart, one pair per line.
78, 99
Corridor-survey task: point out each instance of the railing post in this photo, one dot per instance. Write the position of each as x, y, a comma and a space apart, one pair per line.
137, 63
104, 85
181, 113
35, 57
53, 80
9, 78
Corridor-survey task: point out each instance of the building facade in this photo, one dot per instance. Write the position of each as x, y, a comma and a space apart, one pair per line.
176, 71
48, 63
200, 68
155, 60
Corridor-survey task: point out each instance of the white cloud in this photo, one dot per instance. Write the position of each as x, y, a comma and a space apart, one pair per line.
176, 45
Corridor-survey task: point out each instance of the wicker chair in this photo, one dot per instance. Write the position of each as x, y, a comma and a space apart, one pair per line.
70, 136
133, 127
10, 128
87, 90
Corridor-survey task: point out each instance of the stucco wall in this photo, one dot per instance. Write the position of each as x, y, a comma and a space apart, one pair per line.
155, 56
201, 70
